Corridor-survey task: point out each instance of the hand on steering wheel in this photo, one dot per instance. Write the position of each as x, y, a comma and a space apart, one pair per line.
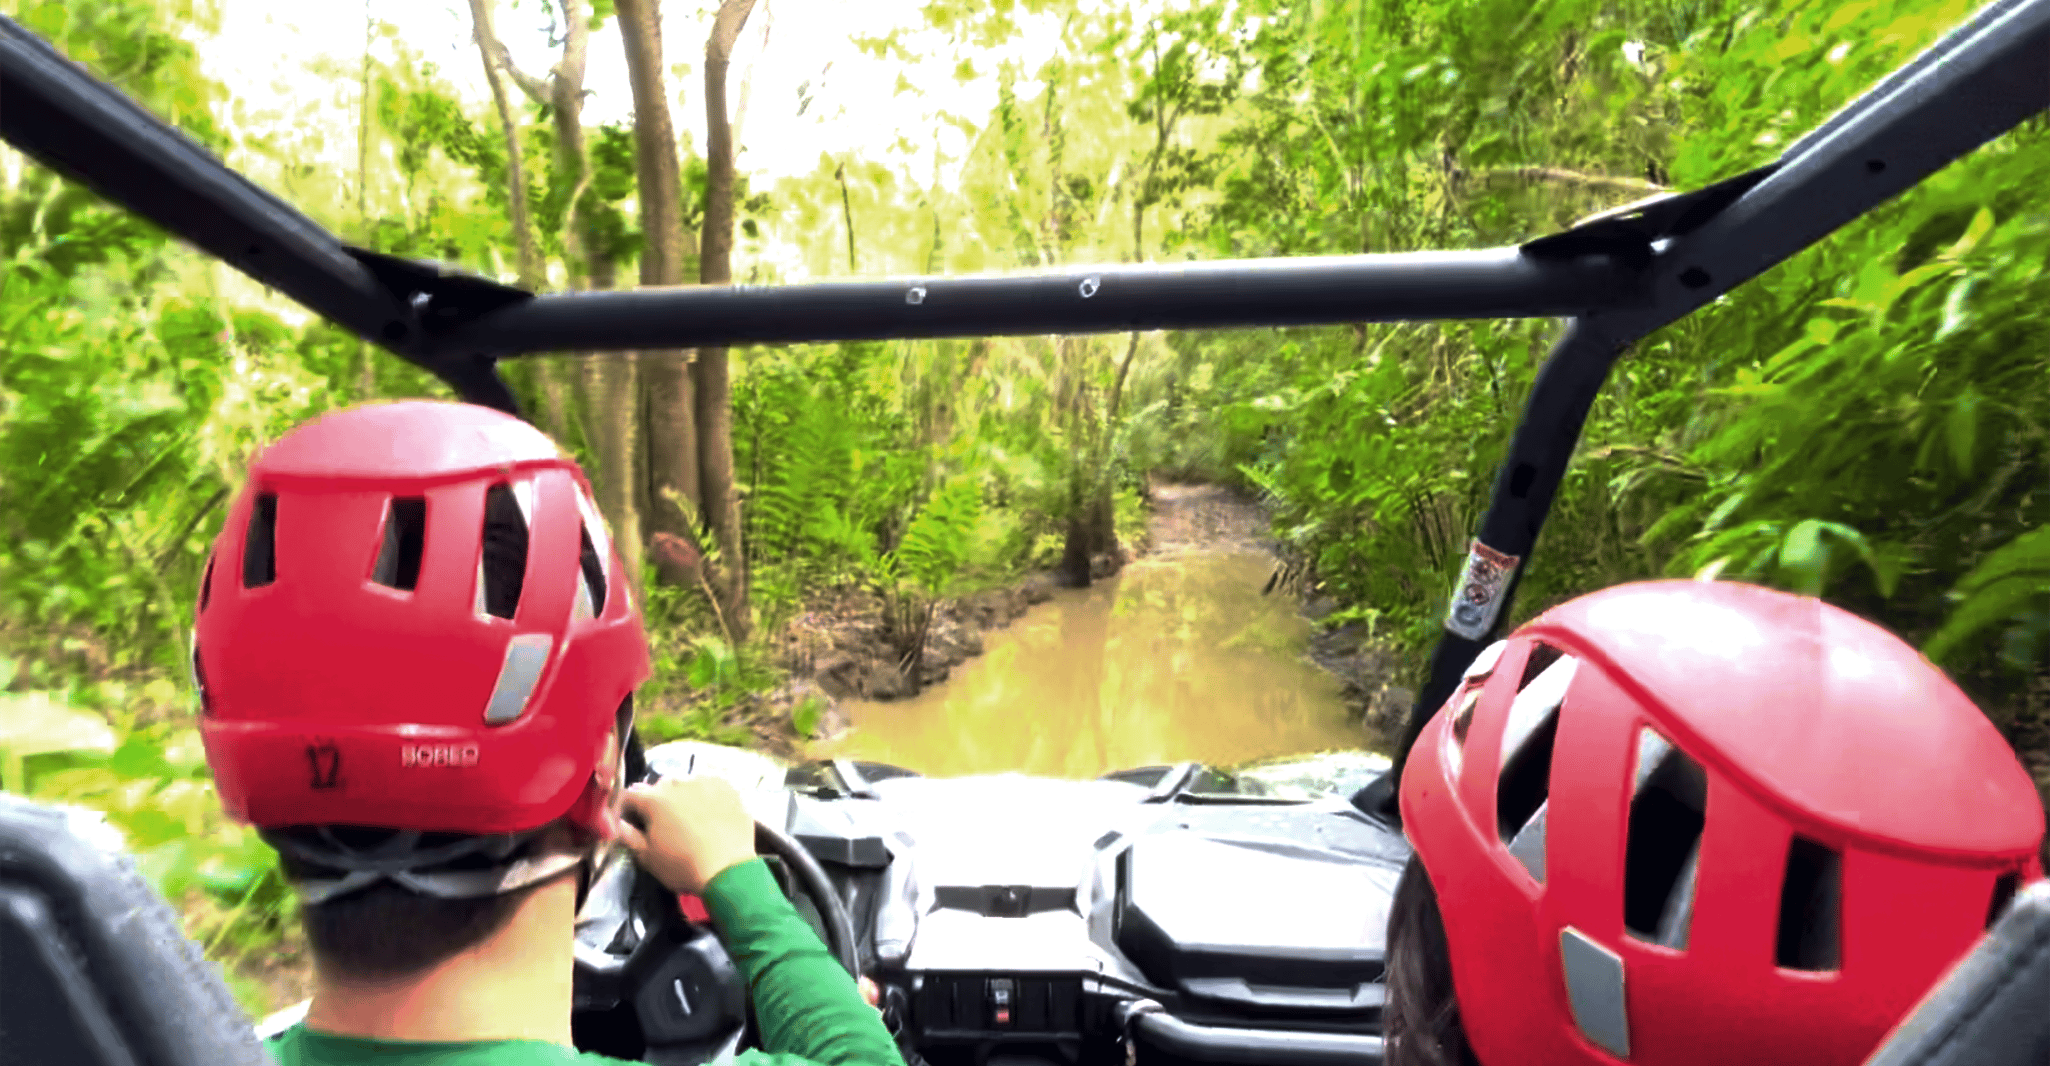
683, 833
686, 831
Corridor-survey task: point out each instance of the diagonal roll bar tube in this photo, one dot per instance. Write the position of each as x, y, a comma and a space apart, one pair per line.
71, 122
78, 126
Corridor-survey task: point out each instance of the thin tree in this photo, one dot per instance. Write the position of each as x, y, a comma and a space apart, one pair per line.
532, 275
610, 385
671, 486
715, 267
366, 385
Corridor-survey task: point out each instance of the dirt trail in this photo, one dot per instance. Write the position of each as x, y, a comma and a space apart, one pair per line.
1206, 518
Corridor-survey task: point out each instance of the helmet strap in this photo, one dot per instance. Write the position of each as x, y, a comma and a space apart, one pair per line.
586, 872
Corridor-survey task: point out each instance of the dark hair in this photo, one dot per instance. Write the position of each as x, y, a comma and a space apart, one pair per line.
1421, 1021
387, 932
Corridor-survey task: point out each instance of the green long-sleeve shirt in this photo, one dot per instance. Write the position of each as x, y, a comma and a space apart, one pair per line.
810, 1012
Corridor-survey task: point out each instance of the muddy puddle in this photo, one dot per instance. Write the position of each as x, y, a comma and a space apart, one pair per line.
1177, 657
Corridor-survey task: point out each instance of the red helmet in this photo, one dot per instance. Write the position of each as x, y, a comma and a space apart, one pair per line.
1777, 825
414, 620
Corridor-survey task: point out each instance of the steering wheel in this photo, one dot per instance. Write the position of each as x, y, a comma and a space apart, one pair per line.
650, 984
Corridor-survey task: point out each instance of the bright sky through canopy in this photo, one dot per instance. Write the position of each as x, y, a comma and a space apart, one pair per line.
265, 47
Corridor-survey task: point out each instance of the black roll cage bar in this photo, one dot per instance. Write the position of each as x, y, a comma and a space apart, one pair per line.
1615, 279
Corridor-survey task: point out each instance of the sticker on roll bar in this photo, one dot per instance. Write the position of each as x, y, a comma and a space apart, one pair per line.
1479, 596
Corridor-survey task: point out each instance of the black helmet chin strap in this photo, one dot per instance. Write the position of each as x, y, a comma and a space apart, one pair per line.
489, 865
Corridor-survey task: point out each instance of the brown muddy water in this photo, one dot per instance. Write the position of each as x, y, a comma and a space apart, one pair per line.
1178, 657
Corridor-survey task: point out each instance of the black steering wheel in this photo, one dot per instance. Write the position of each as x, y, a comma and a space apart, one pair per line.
652, 985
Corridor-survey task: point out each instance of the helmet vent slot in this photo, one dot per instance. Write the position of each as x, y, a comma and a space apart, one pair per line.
1811, 907
1542, 656
206, 703
1462, 719
502, 566
260, 545
1667, 812
1527, 738
1526, 781
206, 583
2004, 889
405, 534
593, 566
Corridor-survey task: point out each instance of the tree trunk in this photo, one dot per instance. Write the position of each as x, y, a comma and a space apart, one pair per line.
847, 213
609, 385
366, 383
670, 490
546, 375
714, 379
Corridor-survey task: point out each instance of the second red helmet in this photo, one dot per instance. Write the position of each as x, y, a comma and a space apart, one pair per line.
1686, 823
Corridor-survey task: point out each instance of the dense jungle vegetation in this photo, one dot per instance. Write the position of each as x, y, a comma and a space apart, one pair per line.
1866, 422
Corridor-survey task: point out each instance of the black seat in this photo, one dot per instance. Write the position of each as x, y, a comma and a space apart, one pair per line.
1990, 1010
94, 970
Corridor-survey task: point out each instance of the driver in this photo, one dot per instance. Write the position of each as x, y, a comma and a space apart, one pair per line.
1678, 823
416, 654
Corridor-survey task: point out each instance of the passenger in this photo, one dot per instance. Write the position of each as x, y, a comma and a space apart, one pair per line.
416, 654
1678, 823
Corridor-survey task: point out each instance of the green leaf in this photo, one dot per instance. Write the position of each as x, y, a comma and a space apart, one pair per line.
32, 723
704, 669
804, 718
1963, 427
168, 866
140, 756
1996, 602
1956, 311
1805, 557
2004, 583
1909, 281
1723, 511
1981, 225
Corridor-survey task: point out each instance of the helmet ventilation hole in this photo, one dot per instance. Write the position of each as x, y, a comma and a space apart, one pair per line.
2004, 889
206, 583
1811, 902
206, 705
1667, 811
1527, 739
502, 566
1462, 719
1484, 663
405, 534
259, 546
1542, 656
593, 567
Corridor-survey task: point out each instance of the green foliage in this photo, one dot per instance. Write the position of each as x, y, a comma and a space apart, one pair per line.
1893, 453
1860, 423
697, 688
937, 541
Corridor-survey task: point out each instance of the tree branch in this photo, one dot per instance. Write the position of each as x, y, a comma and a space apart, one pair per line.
1561, 176
535, 88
